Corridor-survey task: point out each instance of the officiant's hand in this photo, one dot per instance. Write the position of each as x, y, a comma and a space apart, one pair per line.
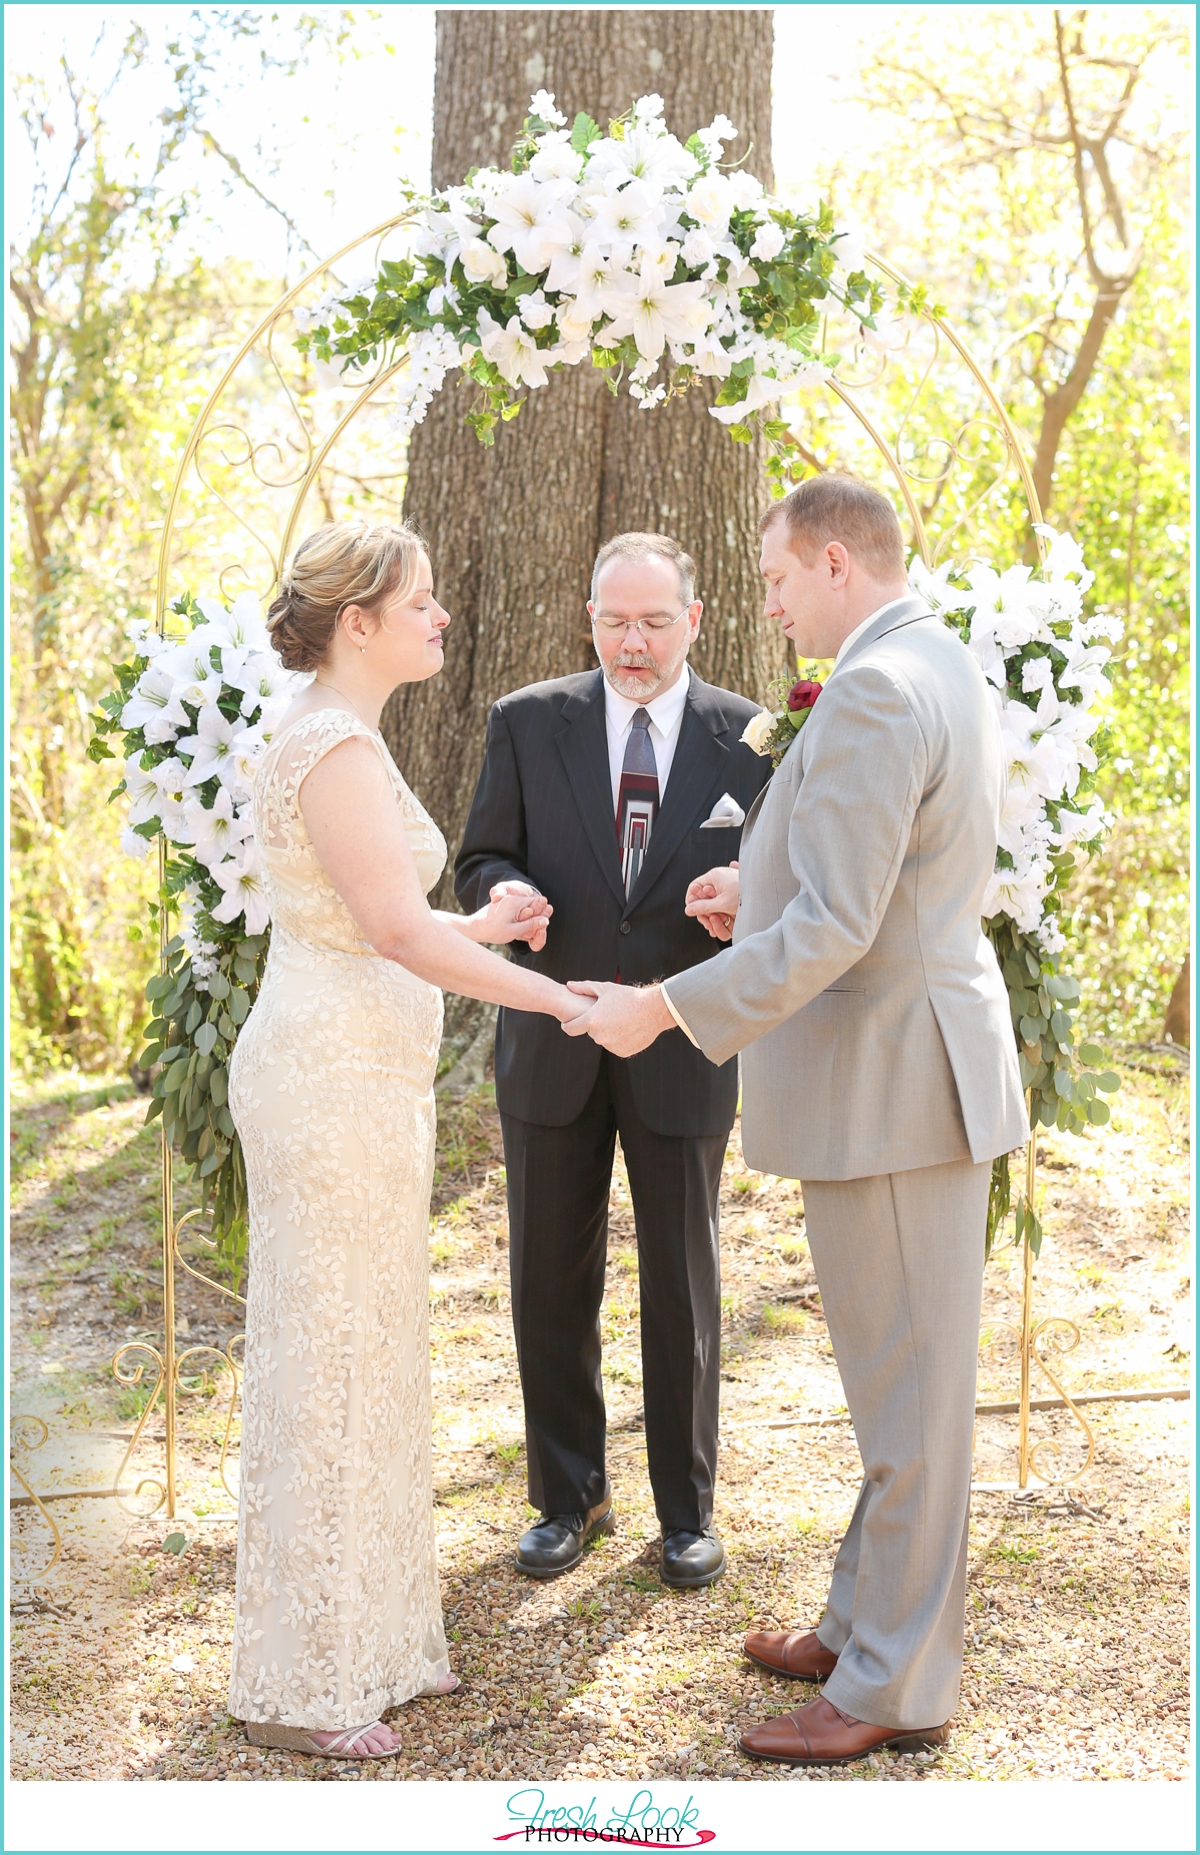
515, 911
624, 1018
713, 900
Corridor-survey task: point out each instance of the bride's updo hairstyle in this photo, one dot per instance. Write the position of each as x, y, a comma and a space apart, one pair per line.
344, 563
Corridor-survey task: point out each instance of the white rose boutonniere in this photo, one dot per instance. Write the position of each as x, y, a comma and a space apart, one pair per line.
758, 731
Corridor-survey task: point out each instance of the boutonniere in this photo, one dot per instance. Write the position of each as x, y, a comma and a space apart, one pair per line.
772, 731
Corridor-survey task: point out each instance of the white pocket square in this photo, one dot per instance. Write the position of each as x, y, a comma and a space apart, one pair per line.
725, 813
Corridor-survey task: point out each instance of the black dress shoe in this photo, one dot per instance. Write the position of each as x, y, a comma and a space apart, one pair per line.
690, 1560
557, 1542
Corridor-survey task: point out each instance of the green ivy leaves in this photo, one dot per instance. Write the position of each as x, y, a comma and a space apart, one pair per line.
191, 1036
1064, 1084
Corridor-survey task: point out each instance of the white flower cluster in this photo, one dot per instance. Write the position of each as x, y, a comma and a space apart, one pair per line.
604, 231
758, 731
197, 793
1028, 627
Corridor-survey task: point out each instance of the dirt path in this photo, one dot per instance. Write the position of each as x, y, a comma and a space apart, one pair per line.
1078, 1607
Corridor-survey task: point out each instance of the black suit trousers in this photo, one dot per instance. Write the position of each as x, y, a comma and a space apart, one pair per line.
558, 1189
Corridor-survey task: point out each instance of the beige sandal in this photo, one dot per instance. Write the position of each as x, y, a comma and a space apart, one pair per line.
296, 1739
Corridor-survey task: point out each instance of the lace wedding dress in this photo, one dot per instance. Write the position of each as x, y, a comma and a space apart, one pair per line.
331, 1088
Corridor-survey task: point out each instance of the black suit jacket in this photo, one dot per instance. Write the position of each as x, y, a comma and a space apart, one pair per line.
543, 813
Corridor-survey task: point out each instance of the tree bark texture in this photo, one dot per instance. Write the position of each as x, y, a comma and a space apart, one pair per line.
513, 530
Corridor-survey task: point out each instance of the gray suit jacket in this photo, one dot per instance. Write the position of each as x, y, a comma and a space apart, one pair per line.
869, 1004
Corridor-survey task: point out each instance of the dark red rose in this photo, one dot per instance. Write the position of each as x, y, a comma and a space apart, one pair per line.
802, 695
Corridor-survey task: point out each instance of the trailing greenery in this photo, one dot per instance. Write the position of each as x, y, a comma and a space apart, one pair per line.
190, 1039
1064, 1083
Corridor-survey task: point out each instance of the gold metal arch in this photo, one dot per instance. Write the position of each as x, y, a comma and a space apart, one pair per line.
263, 332
236, 409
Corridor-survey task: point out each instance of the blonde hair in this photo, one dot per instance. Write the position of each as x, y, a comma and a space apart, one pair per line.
649, 547
833, 507
344, 563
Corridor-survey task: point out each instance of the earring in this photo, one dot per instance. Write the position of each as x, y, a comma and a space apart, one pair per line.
362, 650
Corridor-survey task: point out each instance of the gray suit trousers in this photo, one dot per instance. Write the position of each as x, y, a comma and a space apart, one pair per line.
899, 1261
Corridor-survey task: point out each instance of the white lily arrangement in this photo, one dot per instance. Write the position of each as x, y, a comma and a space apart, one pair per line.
195, 709
631, 250
1048, 666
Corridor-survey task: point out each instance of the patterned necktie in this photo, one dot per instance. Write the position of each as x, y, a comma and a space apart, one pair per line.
637, 799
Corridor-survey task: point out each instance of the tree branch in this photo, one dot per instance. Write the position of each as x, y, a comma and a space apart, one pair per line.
1061, 403
1098, 276
231, 161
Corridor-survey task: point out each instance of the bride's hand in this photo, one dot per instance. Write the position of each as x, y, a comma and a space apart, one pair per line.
713, 900
515, 912
569, 1007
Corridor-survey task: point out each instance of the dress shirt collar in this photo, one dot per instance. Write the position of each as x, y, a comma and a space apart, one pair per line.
870, 620
664, 709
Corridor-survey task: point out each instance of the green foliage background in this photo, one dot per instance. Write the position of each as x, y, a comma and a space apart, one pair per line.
1124, 482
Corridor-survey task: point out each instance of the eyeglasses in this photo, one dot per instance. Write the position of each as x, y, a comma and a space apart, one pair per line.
619, 627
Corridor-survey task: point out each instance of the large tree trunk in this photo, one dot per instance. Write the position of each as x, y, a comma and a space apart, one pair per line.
513, 530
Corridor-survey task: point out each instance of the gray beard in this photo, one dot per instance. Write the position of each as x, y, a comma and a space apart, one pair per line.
640, 691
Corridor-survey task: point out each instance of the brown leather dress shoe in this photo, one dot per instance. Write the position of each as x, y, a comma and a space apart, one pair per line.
821, 1734
799, 1654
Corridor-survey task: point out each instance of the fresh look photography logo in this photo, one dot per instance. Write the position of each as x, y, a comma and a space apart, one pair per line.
641, 1823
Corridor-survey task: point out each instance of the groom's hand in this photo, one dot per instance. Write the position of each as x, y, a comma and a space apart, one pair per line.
624, 1019
713, 900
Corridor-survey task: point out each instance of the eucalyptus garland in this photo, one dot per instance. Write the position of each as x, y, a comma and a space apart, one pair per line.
190, 1039
1065, 1084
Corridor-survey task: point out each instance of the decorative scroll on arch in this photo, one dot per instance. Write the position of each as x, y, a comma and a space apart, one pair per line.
917, 473
257, 450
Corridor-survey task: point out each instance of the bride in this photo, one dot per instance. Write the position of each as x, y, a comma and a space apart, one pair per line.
331, 1088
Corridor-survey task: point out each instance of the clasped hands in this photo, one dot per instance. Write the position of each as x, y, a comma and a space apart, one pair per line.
622, 1019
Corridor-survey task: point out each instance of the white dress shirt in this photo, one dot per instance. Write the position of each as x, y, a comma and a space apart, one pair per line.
666, 717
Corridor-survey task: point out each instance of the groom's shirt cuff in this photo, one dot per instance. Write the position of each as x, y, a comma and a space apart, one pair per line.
670, 1005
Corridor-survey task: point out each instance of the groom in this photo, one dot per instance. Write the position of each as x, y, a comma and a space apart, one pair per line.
880, 1070
610, 792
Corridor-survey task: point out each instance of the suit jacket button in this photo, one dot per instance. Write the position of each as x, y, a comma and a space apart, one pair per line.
625, 929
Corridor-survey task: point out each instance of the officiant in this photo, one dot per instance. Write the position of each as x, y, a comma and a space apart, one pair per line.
608, 793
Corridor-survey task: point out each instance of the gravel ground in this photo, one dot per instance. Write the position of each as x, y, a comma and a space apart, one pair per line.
1078, 1605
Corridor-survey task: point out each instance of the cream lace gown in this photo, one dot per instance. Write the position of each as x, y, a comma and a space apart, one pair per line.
331, 1087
